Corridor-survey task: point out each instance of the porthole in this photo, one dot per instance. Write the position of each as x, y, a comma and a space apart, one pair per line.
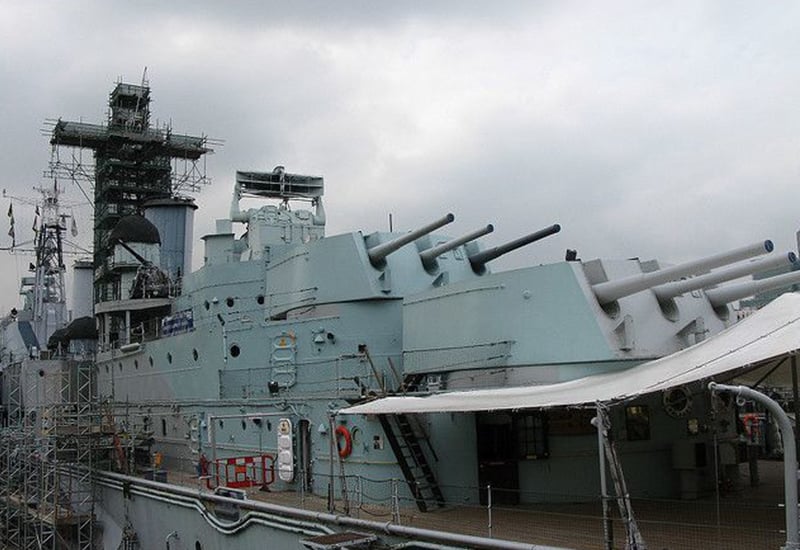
235, 351
195, 355
244, 424
206, 305
260, 299
150, 359
229, 301
169, 358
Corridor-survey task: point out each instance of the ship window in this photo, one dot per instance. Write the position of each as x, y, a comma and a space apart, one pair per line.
207, 305
260, 299
106, 369
195, 355
531, 431
136, 363
229, 301
235, 350
637, 422
151, 360
120, 367
197, 545
164, 427
244, 424
169, 358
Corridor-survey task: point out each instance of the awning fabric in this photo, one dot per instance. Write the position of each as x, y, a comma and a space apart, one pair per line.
764, 336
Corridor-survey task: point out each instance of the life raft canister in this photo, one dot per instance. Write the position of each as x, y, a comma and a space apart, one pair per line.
344, 433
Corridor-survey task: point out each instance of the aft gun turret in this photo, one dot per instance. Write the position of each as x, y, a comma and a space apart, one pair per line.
670, 290
610, 291
429, 255
480, 259
377, 254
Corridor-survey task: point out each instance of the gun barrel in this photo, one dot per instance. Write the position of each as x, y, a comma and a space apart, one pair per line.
670, 290
730, 293
429, 255
479, 259
613, 290
379, 252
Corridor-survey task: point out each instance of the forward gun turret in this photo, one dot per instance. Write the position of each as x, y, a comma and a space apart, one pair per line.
730, 293
377, 254
610, 291
480, 259
429, 256
676, 288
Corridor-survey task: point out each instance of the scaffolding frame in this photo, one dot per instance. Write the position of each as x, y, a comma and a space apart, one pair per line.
48, 451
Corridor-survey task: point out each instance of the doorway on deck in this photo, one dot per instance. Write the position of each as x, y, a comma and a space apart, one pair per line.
497, 458
505, 438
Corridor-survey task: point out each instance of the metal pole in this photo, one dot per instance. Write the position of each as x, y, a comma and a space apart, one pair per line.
796, 402
333, 442
608, 532
212, 433
789, 457
489, 507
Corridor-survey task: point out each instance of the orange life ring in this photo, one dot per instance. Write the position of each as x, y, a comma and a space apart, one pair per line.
344, 433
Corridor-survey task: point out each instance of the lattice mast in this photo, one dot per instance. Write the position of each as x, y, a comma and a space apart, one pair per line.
49, 293
134, 162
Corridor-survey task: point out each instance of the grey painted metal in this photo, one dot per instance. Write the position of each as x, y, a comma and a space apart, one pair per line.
676, 288
478, 260
789, 456
329, 519
610, 291
379, 252
730, 293
429, 256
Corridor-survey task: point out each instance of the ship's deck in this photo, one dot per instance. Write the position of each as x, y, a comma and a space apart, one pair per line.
750, 518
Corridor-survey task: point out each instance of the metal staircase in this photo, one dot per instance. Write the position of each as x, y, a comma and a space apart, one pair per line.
407, 448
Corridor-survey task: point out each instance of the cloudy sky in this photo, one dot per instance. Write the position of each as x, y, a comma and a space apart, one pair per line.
662, 129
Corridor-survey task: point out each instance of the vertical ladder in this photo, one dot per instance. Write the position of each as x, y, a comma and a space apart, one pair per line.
412, 460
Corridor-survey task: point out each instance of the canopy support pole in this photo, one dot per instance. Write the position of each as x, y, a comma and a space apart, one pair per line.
608, 528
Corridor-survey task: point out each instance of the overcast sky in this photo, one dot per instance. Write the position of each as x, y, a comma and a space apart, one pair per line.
663, 130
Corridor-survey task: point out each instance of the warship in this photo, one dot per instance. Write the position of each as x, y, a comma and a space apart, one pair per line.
361, 372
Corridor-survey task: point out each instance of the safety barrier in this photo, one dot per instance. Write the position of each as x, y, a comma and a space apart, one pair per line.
245, 471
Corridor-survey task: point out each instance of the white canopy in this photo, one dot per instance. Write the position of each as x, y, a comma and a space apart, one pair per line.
764, 336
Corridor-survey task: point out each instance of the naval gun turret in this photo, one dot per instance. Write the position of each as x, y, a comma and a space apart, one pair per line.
377, 254
719, 297
610, 291
429, 255
670, 290
480, 259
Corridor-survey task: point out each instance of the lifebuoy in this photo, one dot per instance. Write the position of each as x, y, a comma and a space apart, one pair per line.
344, 433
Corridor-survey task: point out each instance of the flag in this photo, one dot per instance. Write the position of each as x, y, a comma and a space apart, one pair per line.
11, 224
